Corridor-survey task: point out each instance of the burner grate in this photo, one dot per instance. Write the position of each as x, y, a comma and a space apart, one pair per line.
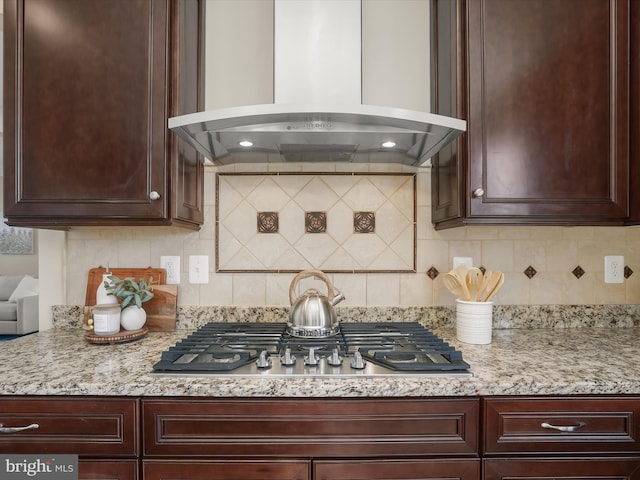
406, 346
220, 347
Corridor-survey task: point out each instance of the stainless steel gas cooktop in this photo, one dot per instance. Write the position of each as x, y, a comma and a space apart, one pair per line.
359, 349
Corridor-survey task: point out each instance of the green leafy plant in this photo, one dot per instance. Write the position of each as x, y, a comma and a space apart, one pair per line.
130, 291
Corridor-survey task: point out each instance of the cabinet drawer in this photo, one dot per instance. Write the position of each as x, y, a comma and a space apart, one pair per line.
584, 424
108, 469
568, 468
458, 469
95, 427
225, 470
310, 427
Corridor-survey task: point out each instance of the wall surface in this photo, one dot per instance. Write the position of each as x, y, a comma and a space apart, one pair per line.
554, 252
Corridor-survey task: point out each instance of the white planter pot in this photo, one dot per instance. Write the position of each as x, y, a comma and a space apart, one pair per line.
133, 318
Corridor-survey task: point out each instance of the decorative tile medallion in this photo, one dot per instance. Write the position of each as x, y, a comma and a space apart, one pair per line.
315, 222
432, 273
627, 272
293, 207
578, 271
267, 222
364, 222
530, 272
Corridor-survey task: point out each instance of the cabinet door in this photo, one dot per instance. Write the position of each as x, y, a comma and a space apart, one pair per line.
225, 470
459, 469
566, 468
88, 89
89, 427
634, 114
544, 87
108, 469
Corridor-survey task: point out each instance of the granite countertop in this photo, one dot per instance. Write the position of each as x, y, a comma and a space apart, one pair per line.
543, 361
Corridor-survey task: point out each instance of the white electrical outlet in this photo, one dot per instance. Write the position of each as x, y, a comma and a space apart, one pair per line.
464, 261
614, 269
199, 269
172, 266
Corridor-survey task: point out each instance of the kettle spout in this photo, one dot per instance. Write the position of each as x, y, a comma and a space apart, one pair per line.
337, 299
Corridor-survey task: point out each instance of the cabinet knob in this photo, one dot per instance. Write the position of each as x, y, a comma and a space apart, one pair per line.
154, 195
478, 192
4, 429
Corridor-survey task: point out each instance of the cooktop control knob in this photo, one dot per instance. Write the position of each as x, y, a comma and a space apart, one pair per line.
312, 358
335, 360
287, 359
264, 361
357, 362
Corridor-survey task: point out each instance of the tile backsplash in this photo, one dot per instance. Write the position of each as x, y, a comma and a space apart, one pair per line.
338, 223
539, 262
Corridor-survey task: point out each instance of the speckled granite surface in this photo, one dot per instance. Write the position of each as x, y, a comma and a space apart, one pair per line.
504, 316
518, 362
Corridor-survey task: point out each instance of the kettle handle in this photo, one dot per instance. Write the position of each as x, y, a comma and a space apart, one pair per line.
310, 273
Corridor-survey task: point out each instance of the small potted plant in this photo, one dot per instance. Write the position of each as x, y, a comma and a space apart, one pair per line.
132, 294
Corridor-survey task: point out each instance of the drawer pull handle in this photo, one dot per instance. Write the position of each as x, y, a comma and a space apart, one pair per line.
570, 428
18, 429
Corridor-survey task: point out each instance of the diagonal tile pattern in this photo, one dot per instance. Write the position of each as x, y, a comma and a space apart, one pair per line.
331, 202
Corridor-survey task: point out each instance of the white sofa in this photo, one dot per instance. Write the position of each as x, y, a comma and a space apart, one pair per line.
18, 304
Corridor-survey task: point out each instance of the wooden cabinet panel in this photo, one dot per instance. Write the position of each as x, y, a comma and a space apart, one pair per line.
225, 470
565, 468
86, 137
108, 469
459, 469
94, 427
634, 114
543, 85
599, 424
309, 427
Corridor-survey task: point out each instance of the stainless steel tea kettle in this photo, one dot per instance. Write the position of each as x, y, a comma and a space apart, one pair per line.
312, 314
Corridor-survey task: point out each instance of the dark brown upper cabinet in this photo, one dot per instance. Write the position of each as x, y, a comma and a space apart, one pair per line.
88, 88
544, 87
634, 114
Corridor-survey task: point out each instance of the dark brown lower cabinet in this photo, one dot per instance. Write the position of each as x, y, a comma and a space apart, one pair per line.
490, 438
102, 431
565, 468
568, 437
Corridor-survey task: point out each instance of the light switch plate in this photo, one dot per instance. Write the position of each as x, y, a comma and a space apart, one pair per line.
199, 269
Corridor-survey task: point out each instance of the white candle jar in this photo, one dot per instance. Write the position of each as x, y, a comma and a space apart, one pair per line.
106, 319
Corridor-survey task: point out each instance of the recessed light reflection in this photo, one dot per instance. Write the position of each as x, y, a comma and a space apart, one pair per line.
245, 143
389, 144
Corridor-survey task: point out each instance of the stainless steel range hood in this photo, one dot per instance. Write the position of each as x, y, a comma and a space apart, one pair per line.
317, 114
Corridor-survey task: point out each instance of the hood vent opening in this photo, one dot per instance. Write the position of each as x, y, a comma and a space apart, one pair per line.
317, 115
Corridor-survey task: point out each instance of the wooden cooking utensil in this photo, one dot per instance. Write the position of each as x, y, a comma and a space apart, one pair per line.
460, 272
495, 282
485, 281
456, 287
475, 282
